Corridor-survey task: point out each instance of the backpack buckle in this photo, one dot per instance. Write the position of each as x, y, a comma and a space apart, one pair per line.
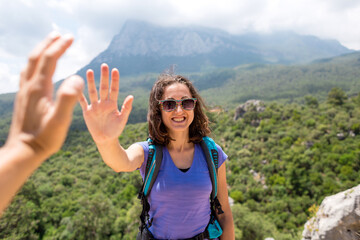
218, 206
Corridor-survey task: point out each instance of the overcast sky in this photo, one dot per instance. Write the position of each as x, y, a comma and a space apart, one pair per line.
23, 23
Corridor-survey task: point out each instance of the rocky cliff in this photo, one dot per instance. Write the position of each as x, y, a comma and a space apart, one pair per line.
338, 218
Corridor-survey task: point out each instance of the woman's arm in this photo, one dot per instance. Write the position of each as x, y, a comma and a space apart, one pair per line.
225, 219
106, 123
119, 159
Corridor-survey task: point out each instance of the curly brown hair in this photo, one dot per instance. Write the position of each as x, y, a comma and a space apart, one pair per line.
157, 130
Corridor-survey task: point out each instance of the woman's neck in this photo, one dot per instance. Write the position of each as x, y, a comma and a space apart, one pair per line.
180, 143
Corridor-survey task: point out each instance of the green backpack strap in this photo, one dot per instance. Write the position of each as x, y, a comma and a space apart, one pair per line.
212, 159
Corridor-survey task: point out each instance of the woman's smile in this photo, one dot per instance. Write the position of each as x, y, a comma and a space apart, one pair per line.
178, 119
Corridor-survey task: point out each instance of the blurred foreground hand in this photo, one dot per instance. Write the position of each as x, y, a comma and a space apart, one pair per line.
40, 124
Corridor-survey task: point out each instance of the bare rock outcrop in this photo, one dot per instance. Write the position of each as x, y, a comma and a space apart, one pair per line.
250, 105
338, 218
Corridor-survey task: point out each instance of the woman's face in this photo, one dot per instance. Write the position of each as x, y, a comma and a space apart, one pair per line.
178, 120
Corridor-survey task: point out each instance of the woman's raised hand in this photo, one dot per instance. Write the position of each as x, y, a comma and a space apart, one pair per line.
102, 117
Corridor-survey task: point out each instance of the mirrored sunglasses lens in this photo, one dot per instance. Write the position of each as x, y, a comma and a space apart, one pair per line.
188, 104
169, 105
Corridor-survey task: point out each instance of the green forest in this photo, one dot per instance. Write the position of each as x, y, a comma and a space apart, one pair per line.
282, 161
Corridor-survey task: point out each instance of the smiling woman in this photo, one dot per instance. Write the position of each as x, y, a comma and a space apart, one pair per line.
169, 87
180, 206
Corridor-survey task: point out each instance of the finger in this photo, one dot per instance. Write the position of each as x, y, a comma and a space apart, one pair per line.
35, 55
61, 115
104, 82
93, 95
83, 102
49, 58
67, 95
126, 107
114, 87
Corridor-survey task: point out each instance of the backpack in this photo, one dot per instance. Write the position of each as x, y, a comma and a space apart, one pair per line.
213, 230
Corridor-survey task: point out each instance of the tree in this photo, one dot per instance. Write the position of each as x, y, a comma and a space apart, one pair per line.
311, 101
336, 96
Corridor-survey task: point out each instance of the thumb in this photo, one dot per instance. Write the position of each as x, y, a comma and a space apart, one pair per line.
67, 96
126, 107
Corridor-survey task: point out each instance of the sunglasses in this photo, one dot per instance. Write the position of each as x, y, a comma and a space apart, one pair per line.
170, 105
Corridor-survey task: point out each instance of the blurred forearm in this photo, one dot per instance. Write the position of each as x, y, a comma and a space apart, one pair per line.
18, 162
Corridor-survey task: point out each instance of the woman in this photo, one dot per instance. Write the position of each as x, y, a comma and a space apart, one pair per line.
180, 201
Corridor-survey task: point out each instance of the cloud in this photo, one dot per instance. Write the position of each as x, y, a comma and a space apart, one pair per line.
8, 80
23, 23
87, 45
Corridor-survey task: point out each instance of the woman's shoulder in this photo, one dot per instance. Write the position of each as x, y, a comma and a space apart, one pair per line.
144, 145
221, 153
219, 148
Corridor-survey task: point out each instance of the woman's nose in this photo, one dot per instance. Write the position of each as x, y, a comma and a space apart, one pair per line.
178, 108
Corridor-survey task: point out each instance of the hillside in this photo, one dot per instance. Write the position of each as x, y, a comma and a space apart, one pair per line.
282, 163
280, 82
229, 87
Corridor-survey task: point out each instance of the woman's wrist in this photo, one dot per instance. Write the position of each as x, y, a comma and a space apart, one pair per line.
107, 143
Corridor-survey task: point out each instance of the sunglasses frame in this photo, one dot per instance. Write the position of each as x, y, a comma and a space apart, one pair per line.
178, 102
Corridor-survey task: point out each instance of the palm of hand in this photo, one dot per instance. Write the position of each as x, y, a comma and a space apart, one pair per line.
104, 120
102, 117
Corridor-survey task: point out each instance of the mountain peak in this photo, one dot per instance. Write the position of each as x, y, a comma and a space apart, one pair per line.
138, 38
145, 47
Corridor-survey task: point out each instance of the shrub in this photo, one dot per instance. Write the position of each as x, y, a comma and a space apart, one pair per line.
237, 196
336, 96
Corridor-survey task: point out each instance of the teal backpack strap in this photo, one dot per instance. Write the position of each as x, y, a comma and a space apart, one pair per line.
153, 164
212, 158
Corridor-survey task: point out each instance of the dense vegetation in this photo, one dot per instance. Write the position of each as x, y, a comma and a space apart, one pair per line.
281, 162
230, 87
288, 158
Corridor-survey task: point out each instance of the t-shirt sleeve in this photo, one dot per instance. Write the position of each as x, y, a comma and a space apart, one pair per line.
222, 155
145, 146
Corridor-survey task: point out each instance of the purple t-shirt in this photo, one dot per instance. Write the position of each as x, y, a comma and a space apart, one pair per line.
179, 201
